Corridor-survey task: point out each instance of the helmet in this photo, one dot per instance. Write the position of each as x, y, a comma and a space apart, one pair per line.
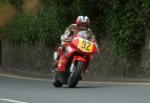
83, 22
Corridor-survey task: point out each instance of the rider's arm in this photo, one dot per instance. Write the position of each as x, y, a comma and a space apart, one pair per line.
65, 35
69, 32
93, 39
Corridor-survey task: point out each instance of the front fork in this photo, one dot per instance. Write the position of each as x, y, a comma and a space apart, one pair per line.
76, 58
72, 68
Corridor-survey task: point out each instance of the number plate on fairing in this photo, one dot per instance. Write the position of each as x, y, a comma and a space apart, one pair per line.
85, 45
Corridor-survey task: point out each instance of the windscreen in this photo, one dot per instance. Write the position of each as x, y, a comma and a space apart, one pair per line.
84, 35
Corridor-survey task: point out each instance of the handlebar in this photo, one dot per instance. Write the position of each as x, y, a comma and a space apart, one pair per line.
68, 40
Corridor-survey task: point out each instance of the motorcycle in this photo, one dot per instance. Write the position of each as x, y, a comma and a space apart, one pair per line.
79, 50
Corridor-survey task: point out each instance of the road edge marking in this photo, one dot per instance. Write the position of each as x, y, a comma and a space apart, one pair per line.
22, 77
11, 100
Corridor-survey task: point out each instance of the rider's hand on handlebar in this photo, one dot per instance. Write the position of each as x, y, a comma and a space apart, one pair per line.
98, 51
68, 39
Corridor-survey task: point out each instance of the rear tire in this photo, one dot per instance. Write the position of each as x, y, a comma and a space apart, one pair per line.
57, 80
76, 76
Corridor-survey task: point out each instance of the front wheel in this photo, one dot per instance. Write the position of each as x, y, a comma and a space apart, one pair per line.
76, 75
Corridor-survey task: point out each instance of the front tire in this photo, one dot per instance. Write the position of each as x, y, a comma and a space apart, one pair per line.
76, 75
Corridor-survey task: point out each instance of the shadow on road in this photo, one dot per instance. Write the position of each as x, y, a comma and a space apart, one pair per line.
90, 86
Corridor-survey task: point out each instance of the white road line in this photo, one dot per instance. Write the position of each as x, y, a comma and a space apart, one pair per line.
22, 77
116, 83
10, 100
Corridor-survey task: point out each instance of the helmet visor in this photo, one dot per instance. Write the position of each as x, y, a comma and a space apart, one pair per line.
83, 27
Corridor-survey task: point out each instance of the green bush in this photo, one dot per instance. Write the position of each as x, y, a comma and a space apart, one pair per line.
123, 22
16, 3
64, 12
125, 25
3, 2
25, 28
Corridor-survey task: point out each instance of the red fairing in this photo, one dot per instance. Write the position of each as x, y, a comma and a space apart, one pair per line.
75, 41
94, 49
75, 52
79, 58
69, 51
62, 63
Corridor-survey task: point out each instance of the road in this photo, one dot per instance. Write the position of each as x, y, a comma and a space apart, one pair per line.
21, 90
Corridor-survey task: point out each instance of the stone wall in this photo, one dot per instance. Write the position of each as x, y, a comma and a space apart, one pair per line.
108, 66
26, 59
37, 59
145, 57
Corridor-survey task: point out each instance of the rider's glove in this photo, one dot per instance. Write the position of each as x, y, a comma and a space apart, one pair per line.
98, 51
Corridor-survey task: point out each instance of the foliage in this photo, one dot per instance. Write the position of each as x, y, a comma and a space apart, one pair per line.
3, 2
123, 21
16, 3
125, 25
31, 28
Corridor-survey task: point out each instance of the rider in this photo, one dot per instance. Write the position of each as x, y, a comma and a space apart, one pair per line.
82, 24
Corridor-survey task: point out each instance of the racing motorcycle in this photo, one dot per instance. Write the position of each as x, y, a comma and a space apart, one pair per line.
79, 50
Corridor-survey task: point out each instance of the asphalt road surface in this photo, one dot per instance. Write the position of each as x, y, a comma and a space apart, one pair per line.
21, 90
